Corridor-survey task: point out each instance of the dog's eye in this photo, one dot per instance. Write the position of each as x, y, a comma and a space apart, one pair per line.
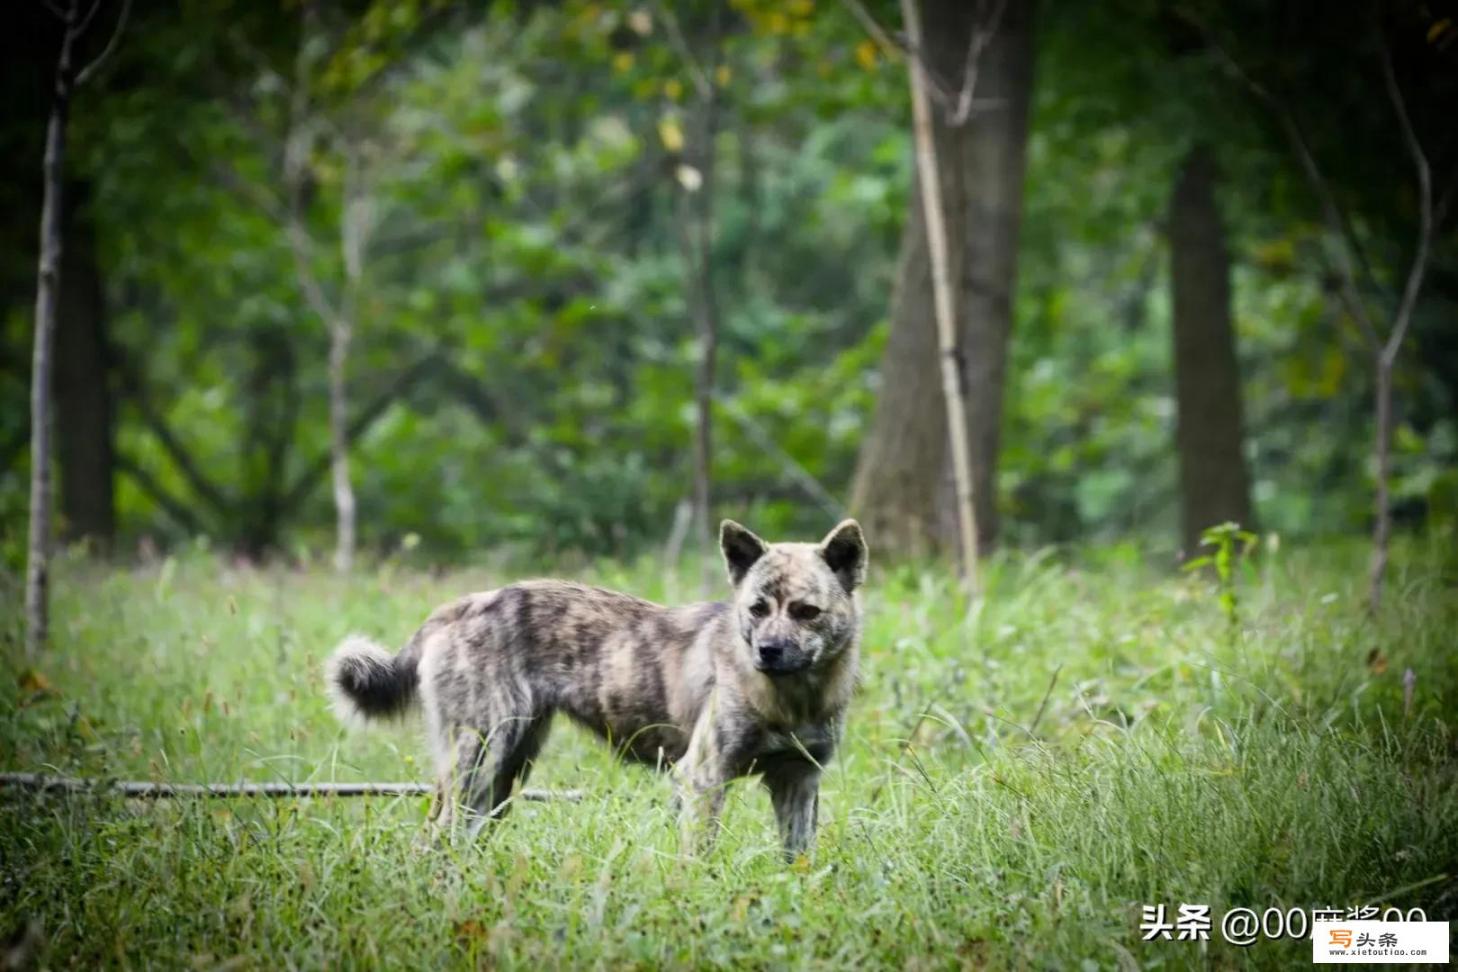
759, 609
804, 612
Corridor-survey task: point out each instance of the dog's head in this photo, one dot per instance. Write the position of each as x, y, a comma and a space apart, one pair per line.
794, 603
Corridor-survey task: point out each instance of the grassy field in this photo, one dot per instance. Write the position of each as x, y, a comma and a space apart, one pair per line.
1099, 736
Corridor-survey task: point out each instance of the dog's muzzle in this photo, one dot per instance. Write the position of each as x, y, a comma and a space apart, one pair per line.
780, 658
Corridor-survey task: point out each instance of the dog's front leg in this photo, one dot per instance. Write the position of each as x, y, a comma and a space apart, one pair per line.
701, 781
795, 793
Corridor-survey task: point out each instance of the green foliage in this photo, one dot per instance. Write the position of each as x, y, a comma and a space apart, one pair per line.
1231, 546
522, 170
1011, 802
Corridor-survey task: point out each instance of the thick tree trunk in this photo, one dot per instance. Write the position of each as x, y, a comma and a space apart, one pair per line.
949, 344
85, 444
48, 284
899, 490
994, 164
898, 476
1214, 483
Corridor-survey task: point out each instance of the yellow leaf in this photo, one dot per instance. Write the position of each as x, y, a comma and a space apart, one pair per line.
622, 61
673, 89
33, 681
671, 134
866, 55
1439, 28
722, 75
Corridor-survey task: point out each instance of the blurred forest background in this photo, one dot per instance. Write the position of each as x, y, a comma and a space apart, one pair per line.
506, 255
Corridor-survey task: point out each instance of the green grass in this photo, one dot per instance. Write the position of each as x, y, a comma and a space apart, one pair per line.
965, 822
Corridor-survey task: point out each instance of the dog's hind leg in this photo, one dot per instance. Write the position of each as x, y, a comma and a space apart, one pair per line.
502, 758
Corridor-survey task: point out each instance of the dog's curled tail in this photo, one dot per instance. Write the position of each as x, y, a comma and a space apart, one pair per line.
367, 682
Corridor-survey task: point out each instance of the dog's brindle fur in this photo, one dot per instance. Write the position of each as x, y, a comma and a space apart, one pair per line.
756, 684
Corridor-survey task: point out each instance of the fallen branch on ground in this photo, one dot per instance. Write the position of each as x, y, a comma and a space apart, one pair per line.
41, 783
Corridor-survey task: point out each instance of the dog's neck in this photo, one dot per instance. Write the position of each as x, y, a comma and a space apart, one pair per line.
816, 695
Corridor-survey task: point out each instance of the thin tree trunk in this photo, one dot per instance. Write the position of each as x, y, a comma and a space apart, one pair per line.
37, 568
708, 328
354, 229
706, 315
337, 316
1209, 433
696, 224
1338, 225
943, 297
1381, 508
1387, 355
339, 338
85, 434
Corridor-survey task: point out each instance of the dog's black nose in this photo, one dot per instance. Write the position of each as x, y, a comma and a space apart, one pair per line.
772, 654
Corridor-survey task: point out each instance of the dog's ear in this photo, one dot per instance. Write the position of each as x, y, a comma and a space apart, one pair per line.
844, 549
741, 549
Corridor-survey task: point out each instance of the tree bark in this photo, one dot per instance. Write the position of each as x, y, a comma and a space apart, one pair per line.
898, 490
898, 475
1209, 436
48, 283
85, 433
354, 230
948, 344
994, 165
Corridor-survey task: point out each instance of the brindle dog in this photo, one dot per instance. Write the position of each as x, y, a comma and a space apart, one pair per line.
757, 684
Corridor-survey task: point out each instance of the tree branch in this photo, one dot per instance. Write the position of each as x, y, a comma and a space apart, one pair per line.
1419, 266
249, 192
701, 79
157, 425
1336, 221
148, 789
982, 35
170, 504
797, 472
366, 417
937, 86
80, 28
89, 71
